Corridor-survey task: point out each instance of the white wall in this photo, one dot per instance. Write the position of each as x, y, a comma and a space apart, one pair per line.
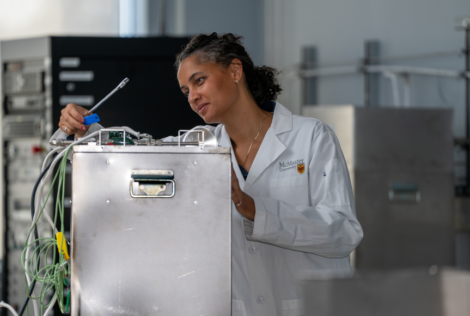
90, 17
30, 18
21, 18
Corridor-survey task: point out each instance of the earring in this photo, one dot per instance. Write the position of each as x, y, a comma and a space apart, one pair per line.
236, 81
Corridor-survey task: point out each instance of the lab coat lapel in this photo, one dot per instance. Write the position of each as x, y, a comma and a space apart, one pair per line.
225, 142
271, 147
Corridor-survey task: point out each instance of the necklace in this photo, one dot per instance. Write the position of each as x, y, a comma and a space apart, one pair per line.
259, 131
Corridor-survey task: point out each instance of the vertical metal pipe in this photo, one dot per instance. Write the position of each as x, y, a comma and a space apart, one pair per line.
467, 100
371, 81
309, 61
366, 63
163, 18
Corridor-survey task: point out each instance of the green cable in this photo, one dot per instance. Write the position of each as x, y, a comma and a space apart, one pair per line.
67, 304
52, 275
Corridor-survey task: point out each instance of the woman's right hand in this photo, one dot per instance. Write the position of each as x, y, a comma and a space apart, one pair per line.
72, 119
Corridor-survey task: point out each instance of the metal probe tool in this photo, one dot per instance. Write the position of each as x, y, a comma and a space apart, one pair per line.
120, 86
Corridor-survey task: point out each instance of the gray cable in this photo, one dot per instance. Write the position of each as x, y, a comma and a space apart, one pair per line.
120, 86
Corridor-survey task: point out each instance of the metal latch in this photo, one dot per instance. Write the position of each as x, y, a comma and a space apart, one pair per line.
152, 184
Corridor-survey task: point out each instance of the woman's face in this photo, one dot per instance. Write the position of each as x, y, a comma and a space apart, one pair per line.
211, 89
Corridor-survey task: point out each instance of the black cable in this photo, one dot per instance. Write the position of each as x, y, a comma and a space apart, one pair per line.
31, 289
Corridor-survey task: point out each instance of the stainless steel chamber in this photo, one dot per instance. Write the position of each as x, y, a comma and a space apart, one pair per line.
401, 167
151, 230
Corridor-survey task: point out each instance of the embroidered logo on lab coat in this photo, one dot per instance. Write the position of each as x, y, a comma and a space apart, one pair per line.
292, 164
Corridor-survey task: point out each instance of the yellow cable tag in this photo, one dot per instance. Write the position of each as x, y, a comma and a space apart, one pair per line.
62, 245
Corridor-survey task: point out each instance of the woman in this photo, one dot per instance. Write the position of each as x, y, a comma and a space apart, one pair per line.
293, 206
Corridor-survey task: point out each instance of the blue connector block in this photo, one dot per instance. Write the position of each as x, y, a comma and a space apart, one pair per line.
91, 119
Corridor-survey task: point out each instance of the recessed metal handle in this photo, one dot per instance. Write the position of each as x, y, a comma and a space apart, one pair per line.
404, 193
152, 183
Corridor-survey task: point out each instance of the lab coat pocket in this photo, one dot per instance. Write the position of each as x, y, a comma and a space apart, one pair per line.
292, 190
292, 308
238, 308
337, 183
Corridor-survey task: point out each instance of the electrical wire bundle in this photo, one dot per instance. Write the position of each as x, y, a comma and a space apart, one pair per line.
54, 273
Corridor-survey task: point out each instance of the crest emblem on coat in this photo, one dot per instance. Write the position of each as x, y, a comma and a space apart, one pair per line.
300, 168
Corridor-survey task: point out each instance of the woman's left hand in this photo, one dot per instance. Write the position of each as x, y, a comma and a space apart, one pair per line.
244, 203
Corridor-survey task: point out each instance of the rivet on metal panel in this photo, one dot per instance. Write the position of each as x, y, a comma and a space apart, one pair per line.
108, 162
169, 172
195, 162
195, 202
108, 202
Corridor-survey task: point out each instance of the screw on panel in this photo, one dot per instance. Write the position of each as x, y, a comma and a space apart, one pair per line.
195, 202
433, 270
195, 162
108, 162
108, 202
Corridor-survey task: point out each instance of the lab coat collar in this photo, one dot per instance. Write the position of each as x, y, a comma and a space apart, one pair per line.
271, 147
282, 119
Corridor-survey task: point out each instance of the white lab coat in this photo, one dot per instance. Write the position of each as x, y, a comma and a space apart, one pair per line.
304, 220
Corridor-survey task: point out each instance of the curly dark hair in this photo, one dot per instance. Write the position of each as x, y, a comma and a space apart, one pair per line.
261, 81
